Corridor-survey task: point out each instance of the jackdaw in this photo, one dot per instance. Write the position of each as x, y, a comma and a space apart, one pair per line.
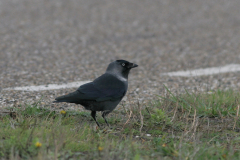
105, 92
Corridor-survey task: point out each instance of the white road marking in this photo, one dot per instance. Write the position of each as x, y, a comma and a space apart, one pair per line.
190, 73
205, 71
48, 87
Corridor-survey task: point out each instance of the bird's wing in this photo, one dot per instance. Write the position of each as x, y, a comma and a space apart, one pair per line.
106, 87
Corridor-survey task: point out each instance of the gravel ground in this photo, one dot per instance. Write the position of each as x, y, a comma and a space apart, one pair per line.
58, 41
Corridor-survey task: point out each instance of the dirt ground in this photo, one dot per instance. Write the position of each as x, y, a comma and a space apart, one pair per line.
57, 41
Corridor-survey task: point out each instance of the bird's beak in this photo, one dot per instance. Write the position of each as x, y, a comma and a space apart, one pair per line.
132, 65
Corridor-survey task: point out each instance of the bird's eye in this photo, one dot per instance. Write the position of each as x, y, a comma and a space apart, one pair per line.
123, 64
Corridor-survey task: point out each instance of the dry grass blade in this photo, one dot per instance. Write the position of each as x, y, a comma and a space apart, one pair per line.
141, 117
236, 118
129, 116
175, 110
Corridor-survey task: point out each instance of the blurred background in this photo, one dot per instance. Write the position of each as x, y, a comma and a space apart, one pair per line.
57, 41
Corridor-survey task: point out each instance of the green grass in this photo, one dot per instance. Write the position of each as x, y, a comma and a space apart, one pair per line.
187, 126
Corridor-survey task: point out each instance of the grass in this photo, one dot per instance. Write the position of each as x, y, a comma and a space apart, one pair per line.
187, 126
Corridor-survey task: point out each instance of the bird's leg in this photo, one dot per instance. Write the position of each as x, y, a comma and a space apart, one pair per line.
93, 114
103, 115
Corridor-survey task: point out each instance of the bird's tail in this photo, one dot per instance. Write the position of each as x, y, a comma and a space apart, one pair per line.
70, 98
55, 101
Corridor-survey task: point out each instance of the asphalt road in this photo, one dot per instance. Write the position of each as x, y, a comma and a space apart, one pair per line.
57, 41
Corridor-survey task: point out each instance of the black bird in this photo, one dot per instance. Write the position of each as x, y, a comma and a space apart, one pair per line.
105, 92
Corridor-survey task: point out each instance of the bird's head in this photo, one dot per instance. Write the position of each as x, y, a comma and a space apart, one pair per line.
120, 68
